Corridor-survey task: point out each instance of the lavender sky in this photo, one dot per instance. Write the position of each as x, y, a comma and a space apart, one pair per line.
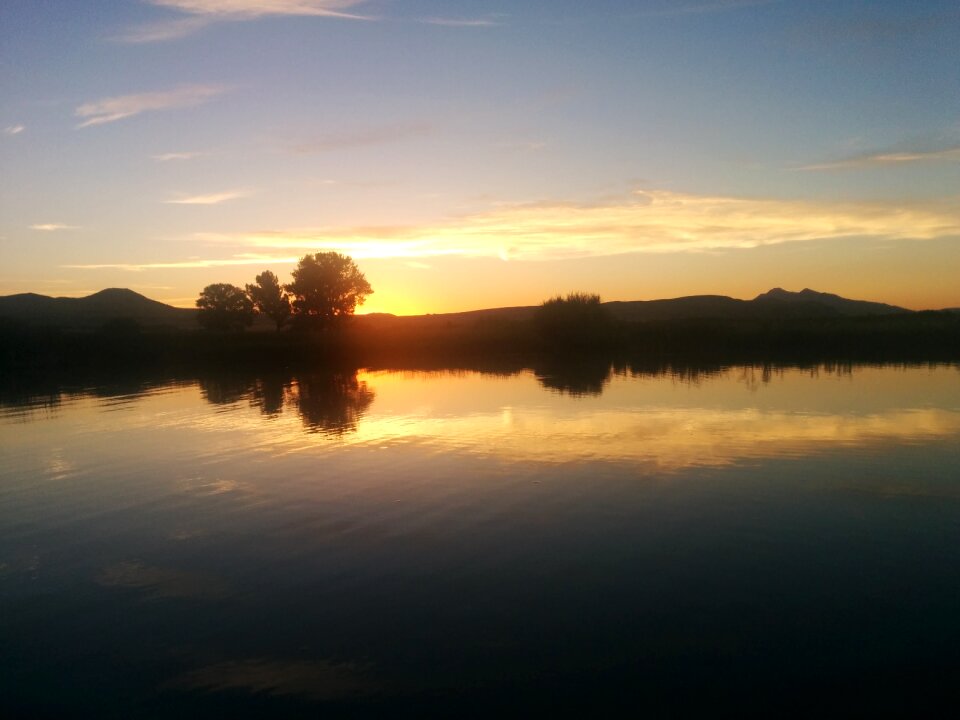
473, 154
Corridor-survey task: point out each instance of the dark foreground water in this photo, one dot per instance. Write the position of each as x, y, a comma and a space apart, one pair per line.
327, 544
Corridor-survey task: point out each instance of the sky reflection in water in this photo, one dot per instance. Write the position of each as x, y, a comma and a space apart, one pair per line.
398, 537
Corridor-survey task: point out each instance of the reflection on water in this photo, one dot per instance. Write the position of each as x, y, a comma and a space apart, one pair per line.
572, 535
329, 402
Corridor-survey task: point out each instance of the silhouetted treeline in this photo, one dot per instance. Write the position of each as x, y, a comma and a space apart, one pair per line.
442, 341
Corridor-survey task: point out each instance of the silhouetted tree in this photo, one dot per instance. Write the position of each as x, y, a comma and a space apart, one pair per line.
224, 307
327, 287
577, 319
269, 298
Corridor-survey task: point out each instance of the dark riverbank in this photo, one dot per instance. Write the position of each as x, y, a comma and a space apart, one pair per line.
396, 342
122, 359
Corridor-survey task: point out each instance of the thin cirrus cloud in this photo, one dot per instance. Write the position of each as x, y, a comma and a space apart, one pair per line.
210, 198
171, 156
240, 259
459, 22
14, 129
645, 222
52, 227
197, 14
108, 110
679, 9
886, 159
649, 221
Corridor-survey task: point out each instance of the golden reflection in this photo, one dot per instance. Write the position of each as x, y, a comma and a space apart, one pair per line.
663, 421
668, 439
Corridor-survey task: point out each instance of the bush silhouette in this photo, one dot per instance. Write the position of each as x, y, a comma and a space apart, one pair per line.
577, 319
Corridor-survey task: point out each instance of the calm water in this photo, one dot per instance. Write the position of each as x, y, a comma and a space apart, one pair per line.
458, 542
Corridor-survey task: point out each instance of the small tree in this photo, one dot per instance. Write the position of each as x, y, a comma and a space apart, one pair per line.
269, 298
224, 307
327, 287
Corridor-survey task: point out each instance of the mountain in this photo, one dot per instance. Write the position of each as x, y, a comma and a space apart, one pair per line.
818, 300
115, 303
94, 310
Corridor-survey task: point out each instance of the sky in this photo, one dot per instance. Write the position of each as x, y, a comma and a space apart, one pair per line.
483, 153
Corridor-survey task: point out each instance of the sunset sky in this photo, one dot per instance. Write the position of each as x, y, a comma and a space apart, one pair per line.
481, 153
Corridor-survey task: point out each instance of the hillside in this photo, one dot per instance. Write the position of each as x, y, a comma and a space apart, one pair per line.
93, 311
115, 303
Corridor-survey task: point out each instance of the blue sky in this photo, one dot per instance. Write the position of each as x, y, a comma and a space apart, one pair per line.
472, 154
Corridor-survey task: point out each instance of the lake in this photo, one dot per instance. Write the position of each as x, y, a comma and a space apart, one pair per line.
739, 539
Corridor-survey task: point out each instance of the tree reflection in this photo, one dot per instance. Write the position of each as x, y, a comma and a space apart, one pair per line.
580, 376
331, 403
268, 393
224, 389
327, 401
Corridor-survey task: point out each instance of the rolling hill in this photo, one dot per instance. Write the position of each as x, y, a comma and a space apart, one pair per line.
94, 311
112, 304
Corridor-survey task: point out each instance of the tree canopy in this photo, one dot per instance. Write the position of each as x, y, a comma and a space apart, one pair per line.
327, 287
269, 298
224, 307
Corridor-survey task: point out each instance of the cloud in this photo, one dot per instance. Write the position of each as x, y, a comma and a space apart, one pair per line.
364, 137
651, 222
886, 159
200, 13
194, 264
117, 108
210, 199
167, 157
675, 9
14, 129
645, 222
454, 22
52, 227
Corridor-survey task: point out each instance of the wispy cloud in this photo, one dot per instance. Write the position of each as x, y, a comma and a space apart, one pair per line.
200, 13
363, 137
645, 222
675, 9
14, 129
655, 221
240, 259
167, 157
52, 227
209, 199
112, 109
460, 22
886, 158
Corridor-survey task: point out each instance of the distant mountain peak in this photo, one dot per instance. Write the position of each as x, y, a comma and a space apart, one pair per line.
837, 303
93, 310
116, 292
777, 292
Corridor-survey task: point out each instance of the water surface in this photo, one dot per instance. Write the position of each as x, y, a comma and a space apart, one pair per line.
379, 542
